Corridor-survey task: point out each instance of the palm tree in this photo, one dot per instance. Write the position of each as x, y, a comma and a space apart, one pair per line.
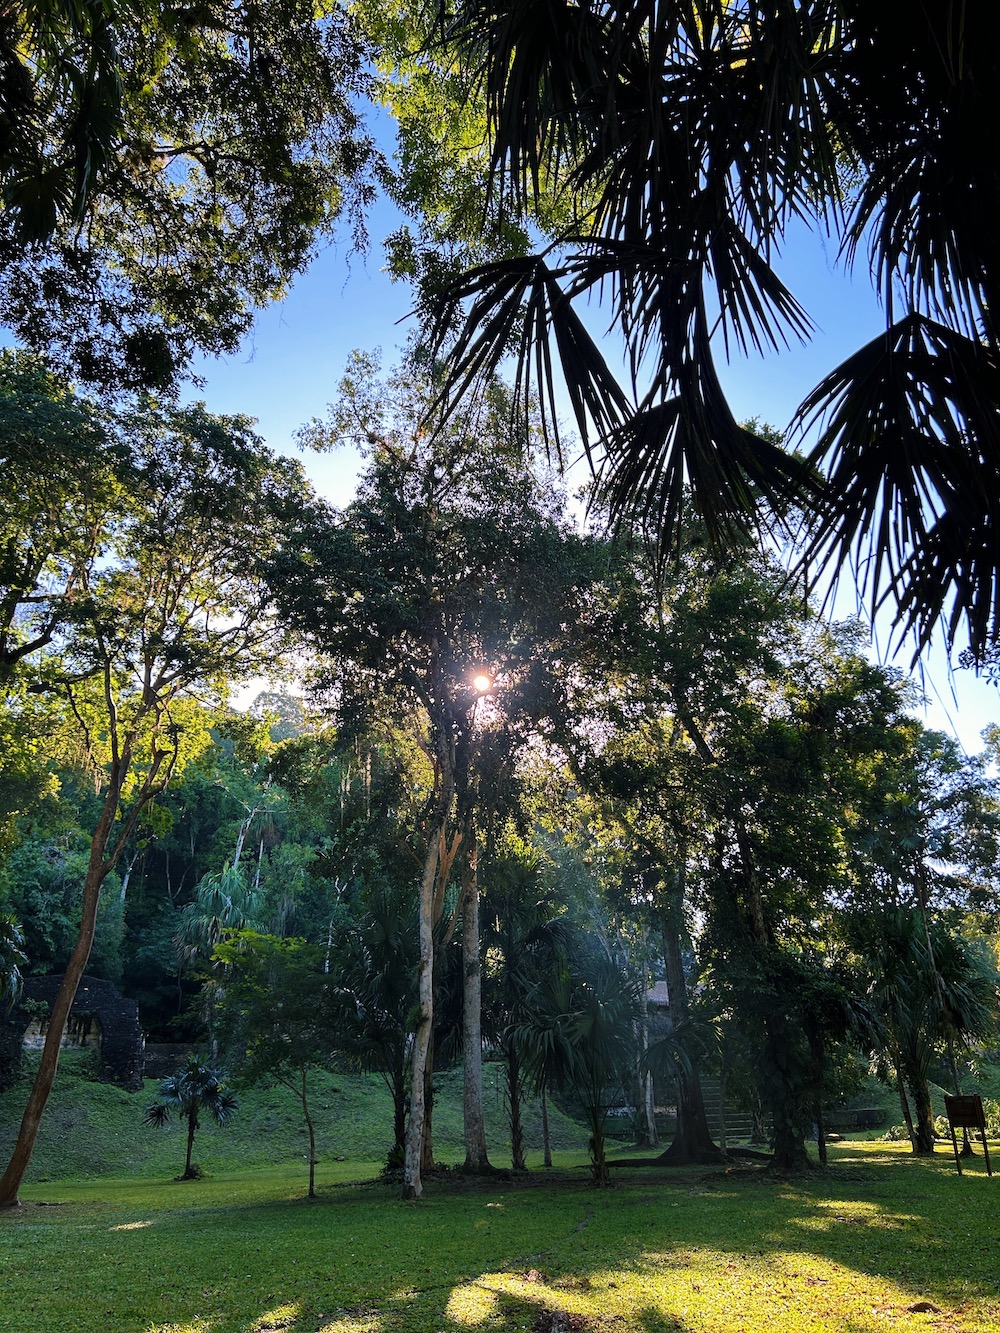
681, 140
223, 901
524, 940
191, 1090
580, 1033
12, 958
929, 987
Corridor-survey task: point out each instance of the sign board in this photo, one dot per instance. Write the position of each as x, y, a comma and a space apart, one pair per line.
966, 1112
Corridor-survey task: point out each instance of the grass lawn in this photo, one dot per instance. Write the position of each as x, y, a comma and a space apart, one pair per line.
856, 1248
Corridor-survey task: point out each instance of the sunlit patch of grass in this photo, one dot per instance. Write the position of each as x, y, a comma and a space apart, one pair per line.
472, 1304
351, 1324
282, 1317
518, 1292
130, 1226
831, 1213
704, 1289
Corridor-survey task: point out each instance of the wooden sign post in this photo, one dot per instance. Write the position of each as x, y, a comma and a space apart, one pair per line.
967, 1113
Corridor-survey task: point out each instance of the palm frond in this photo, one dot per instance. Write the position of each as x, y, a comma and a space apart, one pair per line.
534, 61
516, 306
690, 444
910, 443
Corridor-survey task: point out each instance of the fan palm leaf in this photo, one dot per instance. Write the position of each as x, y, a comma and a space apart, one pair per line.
687, 134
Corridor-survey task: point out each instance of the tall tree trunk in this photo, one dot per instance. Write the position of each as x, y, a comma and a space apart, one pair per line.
517, 1159
644, 1120
758, 1120
412, 1184
692, 1141
546, 1137
649, 1110
304, 1099
598, 1154
923, 1118
98, 868
476, 1160
787, 1121
817, 1052
904, 1106
192, 1119
427, 1141
646, 1136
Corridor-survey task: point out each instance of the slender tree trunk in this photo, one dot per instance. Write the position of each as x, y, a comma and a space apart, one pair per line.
399, 1115
640, 1120
758, 1120
904, 1106
304, 1099
98, 869
192, 1119
923, 1118
241, 838
817, 1053
476, 1160
412, 1184
517, 1159
692, 1141
649, 1110
546, 1138
427, 1142
598, 1155
646, 1134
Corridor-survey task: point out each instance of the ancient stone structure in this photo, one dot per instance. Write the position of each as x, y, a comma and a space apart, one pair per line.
100, 1019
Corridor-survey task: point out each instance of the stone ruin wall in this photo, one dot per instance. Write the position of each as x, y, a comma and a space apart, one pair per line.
101, 1019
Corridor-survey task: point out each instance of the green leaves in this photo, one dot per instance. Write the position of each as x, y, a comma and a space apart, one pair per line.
12, 959
165, 172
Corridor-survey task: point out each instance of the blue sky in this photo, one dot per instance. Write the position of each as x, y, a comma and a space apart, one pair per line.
288, 370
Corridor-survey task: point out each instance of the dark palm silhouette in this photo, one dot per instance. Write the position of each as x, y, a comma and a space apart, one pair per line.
193, 1089
684, 138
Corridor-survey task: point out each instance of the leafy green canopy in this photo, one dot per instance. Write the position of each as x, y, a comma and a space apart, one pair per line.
164, 170
684, 138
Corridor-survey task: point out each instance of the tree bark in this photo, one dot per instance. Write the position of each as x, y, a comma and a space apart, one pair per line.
304, 1099
192, 1119
412, 1183
787, 1131
904, 1106
98, 868
476, 1159
692, 1141
427, 1139
649, 1110
546, 1138
517, 1159
923, 1120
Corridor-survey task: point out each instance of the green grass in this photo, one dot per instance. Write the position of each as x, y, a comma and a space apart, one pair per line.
92, 1129
852, 1249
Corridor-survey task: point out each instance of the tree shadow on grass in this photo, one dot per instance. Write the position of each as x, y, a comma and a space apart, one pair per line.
704, 1248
